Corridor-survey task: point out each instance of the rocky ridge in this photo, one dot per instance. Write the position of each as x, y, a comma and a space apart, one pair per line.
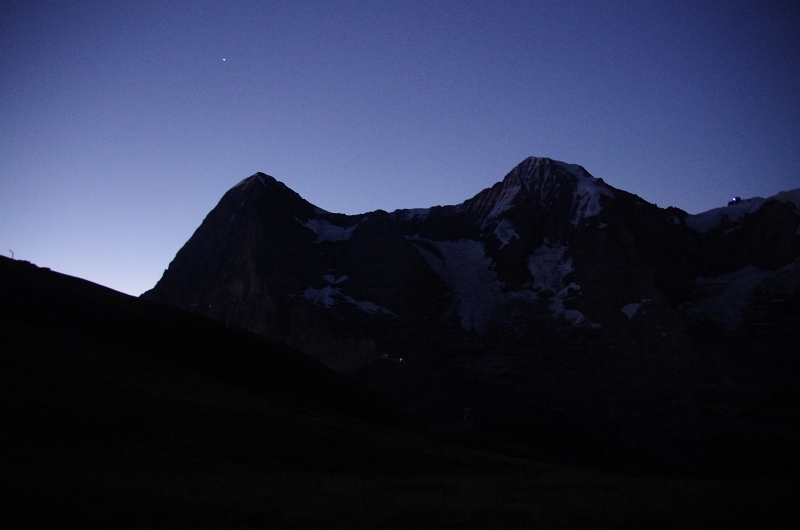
549, 239
582, 307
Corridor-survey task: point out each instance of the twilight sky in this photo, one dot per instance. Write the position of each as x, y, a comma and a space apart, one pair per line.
122, 124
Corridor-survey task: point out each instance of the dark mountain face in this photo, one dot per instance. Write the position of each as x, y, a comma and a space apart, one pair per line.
548, 243
569, 315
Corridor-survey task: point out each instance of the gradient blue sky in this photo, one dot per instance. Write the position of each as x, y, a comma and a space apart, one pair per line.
121, 126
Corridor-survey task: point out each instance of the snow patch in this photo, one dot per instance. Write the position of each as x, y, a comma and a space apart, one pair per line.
504, 201
327, 231
586, 202
434, 261
549, 265
543, 185
323, 297
724, 299
707, 221
727, 296
505, 232
587, 199
573, 316
368, 307
469, 273
328, 295
629, 310
478, 295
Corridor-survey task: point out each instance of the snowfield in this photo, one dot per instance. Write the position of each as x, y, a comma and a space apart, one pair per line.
470, 274
327, 231
549, 265
708, 221
328, 296
479, 295
724, 299
586, 201
505, 232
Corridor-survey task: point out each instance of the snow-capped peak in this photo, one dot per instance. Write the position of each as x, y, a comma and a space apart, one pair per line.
547, 183
587, 194
736, 210
261, 178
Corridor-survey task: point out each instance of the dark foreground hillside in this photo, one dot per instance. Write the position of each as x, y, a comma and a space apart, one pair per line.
118, 412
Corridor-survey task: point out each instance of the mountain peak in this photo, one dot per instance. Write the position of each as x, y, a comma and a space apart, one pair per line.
544, 184
536, 169
261, 178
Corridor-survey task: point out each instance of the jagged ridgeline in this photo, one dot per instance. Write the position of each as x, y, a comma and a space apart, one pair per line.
567, 315
549, 247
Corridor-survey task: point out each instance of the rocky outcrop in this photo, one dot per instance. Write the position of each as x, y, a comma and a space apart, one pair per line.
548, 242
570, 316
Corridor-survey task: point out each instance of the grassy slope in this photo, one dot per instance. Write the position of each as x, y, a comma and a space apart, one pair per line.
118, 412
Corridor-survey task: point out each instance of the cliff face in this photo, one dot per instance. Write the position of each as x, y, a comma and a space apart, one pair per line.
569, 316
549, 243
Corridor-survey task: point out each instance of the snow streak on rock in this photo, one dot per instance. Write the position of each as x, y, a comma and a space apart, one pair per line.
323, 297
505, 232
327, 296
469, 273
586, 202
724, 299
549, 265
630, 310
504, 200
708, 221
327, 231
587, 199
